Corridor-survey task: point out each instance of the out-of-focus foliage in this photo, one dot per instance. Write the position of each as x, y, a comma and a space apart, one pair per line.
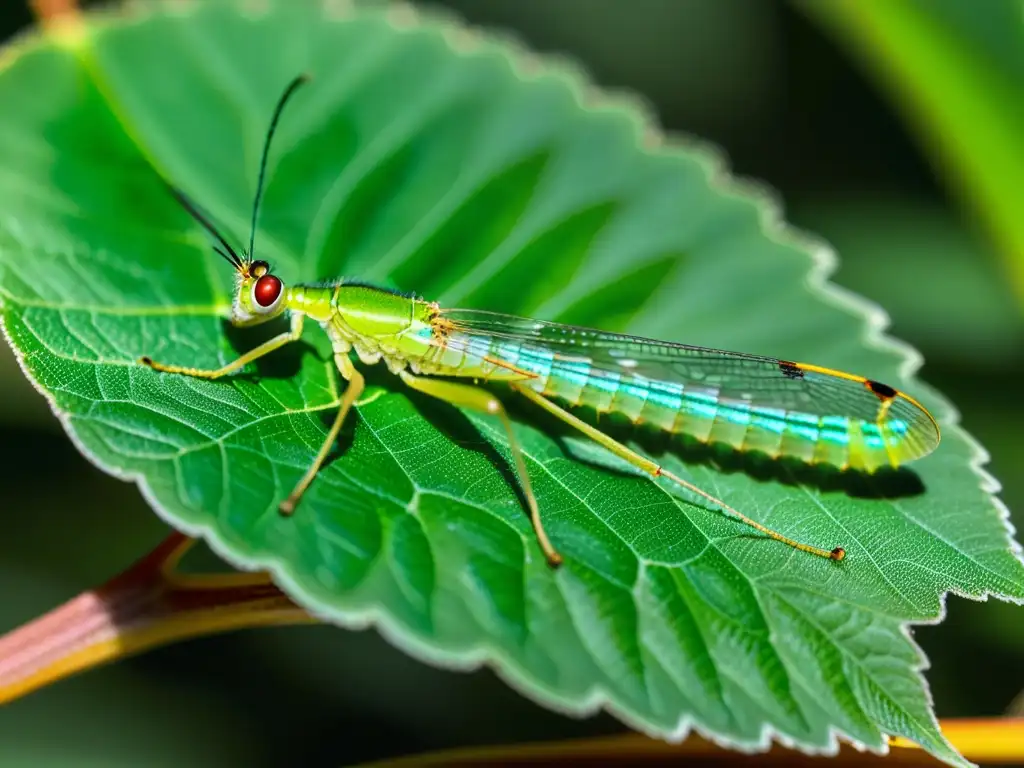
956, 71
913, 259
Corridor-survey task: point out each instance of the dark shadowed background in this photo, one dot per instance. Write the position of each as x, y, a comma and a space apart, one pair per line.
790, 109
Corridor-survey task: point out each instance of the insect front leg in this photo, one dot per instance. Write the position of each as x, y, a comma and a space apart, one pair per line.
254, 354
356, 384
482, 401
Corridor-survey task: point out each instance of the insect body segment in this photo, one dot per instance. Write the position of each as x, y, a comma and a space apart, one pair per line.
748, 402
782, 408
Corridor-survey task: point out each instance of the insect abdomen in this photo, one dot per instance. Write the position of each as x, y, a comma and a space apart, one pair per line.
701, 413
695, 410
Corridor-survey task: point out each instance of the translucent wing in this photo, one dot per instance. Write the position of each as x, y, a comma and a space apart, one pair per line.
748, 401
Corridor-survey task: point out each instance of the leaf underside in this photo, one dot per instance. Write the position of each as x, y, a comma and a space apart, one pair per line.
432, 158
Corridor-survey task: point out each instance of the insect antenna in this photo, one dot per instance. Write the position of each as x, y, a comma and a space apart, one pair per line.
226, 251
292, 87
220, 250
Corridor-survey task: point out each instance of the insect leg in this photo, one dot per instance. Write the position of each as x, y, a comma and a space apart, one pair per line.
476, 399
655, 470
356, 384
263, 349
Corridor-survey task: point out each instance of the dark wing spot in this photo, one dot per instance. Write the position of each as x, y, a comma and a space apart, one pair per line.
881, 391
790, 370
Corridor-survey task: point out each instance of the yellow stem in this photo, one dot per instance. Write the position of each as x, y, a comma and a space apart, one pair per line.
989, 741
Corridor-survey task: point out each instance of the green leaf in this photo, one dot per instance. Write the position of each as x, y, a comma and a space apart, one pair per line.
430, 157
956, 73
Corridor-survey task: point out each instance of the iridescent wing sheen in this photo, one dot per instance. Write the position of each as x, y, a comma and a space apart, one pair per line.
751, 402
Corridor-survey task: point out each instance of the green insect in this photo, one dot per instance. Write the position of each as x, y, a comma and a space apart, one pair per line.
749, 402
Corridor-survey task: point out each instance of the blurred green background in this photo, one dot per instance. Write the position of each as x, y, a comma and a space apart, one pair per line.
792, 110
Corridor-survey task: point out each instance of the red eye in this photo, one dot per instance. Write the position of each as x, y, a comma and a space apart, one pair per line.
267, 290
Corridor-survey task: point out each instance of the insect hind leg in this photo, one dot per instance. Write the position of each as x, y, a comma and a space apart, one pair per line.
655, 470
482, 401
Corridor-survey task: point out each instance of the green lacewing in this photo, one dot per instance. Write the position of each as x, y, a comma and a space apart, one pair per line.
749, 402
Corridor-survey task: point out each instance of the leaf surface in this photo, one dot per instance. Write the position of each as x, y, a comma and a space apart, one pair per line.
429, 157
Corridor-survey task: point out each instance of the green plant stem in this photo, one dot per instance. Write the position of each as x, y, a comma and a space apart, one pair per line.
967, 112
146, 606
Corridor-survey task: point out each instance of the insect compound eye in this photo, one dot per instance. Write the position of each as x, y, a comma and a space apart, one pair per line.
267, 290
